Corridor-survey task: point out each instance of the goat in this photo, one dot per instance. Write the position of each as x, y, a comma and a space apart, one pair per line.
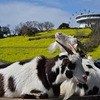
41, 77
92, 86
65, 39
59, 36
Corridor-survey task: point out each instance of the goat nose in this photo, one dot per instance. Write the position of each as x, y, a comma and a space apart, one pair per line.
85, 77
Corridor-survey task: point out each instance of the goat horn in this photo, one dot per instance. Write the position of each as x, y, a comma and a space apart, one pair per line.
81, 47
71, 47
67, 49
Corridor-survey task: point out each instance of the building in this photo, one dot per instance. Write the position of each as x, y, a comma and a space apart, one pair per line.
86, 20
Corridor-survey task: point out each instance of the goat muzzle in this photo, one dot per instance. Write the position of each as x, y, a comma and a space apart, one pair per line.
85, 77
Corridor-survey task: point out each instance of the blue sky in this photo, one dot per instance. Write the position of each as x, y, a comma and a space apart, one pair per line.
13, 12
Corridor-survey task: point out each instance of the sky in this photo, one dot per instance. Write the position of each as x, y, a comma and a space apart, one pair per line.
12, 12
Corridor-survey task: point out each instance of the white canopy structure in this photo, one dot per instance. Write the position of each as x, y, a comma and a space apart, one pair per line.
86, 20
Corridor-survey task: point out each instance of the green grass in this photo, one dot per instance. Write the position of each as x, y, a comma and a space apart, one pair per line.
74, 32
95, 53
15, 54
20, 41
20, 48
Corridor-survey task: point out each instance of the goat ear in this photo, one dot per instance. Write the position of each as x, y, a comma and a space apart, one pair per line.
80, 45
52, 47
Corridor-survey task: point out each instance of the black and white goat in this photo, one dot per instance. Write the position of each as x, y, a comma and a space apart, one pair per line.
92, 86
41, 77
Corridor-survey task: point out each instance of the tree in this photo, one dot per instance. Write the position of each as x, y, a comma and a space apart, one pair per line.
24, 30
27, 28
1, 34
41, 26
16, 31
31, 24
63, 26
94, 37
4, 31
30, 31
48, 25
30, 28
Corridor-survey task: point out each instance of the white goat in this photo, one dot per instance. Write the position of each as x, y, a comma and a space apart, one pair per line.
41, 77
62, 38
65, 39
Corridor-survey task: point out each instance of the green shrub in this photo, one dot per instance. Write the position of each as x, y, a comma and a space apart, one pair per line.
93, 41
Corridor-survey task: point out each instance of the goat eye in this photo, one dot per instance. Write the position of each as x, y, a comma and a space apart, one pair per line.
65, 62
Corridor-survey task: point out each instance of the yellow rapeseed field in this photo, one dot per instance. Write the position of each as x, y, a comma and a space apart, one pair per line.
20, 48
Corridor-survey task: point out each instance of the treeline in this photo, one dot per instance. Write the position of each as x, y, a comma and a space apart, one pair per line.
29, 28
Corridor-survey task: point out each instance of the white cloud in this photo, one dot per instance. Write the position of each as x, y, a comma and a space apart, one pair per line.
15, 12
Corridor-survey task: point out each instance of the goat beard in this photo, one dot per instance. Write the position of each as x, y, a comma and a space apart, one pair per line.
70, 89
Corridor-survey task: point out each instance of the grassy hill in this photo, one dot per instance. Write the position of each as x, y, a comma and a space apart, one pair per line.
20, 47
